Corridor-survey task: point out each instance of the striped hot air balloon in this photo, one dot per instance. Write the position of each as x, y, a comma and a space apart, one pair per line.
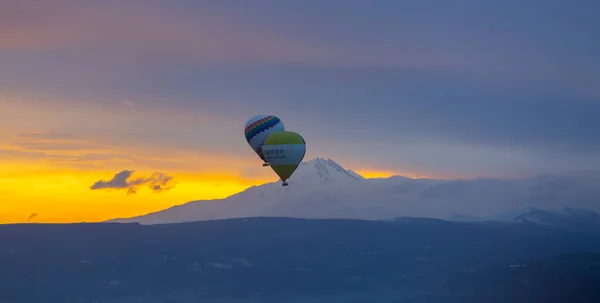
258, 128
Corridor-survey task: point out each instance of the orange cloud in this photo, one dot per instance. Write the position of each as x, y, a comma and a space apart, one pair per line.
118, 137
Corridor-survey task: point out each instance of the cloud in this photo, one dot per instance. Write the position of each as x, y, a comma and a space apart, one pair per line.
230, 33
117, 31
46, 136
32, 216
160, 182
457, 75
157, 182
57, 146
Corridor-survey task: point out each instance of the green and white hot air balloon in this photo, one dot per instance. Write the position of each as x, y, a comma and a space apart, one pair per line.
284, 151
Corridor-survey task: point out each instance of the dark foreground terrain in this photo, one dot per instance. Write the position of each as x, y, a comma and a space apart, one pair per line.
291, 260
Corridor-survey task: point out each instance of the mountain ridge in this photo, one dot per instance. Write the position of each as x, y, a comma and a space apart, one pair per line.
321, 188
289, 260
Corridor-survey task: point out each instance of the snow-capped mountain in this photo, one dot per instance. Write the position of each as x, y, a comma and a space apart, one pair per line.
321, 188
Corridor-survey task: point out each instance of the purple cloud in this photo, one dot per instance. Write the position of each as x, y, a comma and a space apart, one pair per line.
157, 182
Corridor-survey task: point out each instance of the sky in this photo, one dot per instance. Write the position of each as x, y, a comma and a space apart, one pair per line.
119, 108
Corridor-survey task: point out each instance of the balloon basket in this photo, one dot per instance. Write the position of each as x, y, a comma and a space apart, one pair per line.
284, 184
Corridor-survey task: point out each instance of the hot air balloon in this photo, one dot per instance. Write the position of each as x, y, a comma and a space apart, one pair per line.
258, 128
284, 151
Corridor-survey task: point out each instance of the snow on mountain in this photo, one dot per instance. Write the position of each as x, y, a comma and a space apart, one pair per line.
569, 217
321, 188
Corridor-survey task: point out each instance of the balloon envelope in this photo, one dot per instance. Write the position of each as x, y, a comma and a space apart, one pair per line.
258, 128
284, 151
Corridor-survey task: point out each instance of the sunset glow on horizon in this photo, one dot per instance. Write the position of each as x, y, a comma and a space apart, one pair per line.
160, 92
61, 194
46, 171
53, 151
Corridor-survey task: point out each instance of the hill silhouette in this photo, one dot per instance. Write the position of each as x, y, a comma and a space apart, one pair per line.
280, 259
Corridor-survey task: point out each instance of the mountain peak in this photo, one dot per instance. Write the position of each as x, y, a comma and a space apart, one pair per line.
326, 169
